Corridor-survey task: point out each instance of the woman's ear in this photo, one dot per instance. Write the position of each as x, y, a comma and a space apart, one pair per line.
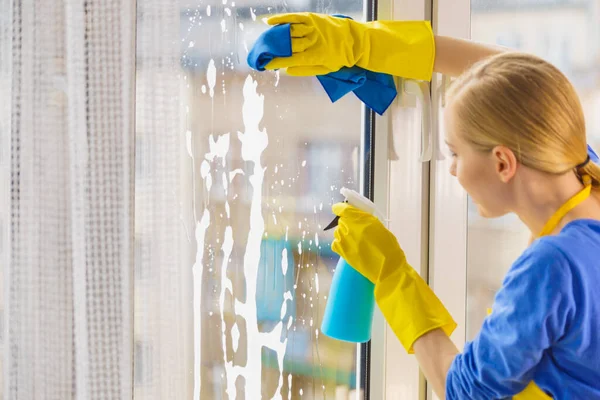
506, 163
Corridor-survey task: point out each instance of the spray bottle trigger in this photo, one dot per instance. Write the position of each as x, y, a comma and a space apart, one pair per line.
335, 221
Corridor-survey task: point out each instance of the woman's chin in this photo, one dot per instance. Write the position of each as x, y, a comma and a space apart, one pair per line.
482, 211
486, 213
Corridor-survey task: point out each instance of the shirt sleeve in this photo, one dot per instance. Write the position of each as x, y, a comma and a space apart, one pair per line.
531, 312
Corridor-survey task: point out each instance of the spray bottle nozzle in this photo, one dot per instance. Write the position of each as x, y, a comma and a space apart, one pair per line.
335, 221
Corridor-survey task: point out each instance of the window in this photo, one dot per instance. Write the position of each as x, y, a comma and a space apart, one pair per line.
338, 160
238, 174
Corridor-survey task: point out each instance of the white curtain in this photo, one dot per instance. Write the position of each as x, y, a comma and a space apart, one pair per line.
66, 114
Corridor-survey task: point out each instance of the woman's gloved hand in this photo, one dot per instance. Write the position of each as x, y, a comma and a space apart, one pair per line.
363, 241
322, 44
408, 304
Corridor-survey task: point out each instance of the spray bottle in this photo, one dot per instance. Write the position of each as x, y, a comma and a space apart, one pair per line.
349, 310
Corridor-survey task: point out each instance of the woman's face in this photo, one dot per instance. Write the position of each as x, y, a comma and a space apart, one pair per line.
481, 174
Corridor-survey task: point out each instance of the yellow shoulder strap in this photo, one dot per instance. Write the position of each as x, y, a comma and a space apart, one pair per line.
564, 209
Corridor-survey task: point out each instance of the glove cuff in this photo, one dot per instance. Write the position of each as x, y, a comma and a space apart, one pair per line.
401, 48
410, 307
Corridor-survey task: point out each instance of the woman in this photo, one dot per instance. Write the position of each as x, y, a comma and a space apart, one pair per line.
516, 131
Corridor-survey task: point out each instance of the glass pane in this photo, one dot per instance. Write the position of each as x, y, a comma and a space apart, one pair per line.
566, 34
235, 174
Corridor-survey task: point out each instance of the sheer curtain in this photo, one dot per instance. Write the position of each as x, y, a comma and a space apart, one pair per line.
66, 115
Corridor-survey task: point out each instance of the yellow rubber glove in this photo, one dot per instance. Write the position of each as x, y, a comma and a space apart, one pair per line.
322, 44
408, 304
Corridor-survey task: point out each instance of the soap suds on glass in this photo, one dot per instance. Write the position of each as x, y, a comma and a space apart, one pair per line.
211, 75
243, 334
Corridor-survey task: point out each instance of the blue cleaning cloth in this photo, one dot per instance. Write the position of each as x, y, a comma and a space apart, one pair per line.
376, 90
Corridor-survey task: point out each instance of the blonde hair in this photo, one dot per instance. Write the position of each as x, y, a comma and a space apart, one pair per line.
526, 104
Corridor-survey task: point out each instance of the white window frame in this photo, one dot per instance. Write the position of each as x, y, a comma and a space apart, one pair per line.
448, 201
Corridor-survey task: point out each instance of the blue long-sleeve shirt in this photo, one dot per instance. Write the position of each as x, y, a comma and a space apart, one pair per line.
545, 324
